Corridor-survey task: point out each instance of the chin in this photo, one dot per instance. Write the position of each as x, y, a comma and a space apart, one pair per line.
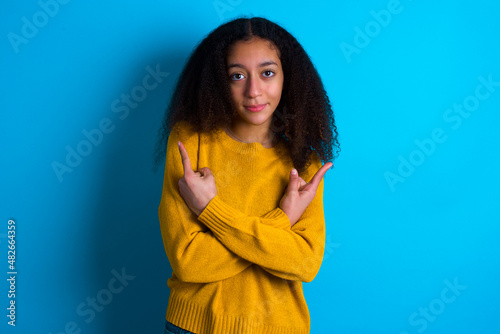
255, 119
258, 120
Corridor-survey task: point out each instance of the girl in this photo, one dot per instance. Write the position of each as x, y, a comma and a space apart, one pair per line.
248, 124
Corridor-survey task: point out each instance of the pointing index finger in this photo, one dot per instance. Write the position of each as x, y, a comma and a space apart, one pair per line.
186, 163
319, 174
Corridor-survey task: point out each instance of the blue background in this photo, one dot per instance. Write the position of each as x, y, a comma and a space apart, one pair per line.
403, 222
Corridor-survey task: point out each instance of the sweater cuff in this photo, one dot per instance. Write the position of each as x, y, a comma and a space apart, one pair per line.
217, 216
277, 218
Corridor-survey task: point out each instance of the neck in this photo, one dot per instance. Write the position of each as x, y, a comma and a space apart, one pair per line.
249, 133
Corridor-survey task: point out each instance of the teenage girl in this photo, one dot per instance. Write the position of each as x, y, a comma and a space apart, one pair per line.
241, 213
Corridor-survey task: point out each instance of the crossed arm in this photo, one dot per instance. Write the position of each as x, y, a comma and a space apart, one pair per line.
280, 241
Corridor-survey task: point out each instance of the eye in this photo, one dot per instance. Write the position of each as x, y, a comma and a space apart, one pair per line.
268, 73
236, 76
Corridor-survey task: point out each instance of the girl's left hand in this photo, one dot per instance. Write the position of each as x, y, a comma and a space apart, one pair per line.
299, 193
197, 188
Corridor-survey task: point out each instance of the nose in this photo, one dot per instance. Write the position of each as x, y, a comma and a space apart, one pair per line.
254, 88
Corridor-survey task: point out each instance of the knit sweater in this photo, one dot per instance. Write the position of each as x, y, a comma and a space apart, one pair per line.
238, 267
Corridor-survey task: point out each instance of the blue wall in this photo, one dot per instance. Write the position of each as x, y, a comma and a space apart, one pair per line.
412, 204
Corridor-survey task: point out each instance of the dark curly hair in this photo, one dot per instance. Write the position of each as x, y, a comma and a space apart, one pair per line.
303, 120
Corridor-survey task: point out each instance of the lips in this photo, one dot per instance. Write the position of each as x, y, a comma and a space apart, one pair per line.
256, 107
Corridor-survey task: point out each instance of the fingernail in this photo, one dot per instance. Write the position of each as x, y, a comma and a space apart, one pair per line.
179, 144
294, 171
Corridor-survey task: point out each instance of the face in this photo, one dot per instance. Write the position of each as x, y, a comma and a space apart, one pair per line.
256, 80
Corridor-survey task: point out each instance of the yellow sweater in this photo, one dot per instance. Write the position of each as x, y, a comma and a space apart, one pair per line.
239, 266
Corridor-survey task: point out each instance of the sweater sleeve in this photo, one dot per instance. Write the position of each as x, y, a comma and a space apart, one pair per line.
290, 253
193, 251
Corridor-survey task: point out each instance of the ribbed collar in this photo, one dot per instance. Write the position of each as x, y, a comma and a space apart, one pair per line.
245, 148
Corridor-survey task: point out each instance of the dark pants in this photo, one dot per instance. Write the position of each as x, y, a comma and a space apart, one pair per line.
170, 328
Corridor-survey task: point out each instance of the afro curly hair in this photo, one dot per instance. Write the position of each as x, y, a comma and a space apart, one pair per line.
303, 120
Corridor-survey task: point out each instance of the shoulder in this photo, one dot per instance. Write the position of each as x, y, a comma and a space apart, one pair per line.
182, 130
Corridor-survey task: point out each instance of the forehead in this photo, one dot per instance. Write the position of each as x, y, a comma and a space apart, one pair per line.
252, 52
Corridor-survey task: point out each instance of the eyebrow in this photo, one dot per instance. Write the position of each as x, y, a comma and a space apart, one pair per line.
263, 64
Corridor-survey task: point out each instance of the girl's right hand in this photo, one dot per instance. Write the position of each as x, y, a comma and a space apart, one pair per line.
197, 188
300, 194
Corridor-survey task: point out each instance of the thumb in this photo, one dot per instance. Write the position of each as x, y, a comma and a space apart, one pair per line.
293, 185
205, 171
